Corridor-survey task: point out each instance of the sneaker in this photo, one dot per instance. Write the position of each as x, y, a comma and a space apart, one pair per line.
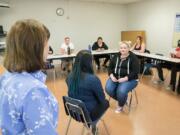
169, 87
119, 109
158, 82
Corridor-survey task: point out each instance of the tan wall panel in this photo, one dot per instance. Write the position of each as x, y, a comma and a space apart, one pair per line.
131, 36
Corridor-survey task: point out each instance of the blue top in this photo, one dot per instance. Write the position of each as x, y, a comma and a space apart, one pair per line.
26, 105
90, 92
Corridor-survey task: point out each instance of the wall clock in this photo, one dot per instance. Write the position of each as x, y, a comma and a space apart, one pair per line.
60, 11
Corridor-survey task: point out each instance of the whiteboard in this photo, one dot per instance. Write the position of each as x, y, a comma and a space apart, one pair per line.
177, 30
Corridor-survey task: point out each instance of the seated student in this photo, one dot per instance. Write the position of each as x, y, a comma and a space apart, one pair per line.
84, 85
64, 46
100, 45
26, 104
65, 65
123, 74
48, 63
174, 70
139, 45
50, 50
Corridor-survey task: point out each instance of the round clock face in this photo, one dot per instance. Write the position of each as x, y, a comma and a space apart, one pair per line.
60, 11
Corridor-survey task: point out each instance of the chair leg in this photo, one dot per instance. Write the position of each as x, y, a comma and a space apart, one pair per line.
54, 74
68, 125
154, 75
105, 126
131, 98
136, 96
109, 99
130, 102
82, 132
143, 73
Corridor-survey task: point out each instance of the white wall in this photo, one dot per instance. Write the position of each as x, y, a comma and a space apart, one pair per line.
86, 20
157, 18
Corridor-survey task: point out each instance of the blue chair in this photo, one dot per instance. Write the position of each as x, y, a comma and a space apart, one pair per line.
76, 109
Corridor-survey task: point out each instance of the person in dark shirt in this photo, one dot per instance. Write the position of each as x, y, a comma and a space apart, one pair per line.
80, 87
174, 69
123, 74
48, 63
99, 45
50, 50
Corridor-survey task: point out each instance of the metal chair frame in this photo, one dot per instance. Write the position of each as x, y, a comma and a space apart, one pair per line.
130, 100
86, 124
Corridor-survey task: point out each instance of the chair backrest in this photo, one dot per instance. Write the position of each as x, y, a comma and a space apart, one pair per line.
147, 51
77, 110
48, 65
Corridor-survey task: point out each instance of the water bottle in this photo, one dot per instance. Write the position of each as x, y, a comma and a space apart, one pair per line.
68, 50
89, 48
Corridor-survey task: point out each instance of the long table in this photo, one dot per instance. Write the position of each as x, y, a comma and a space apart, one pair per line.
174, 61
73, 55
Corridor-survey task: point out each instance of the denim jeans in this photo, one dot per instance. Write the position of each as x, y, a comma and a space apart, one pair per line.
119, 91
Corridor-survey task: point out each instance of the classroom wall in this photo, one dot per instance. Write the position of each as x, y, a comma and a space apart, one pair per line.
157, 18
82, 21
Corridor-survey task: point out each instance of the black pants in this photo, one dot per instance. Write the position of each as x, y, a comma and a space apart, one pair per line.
159, 67
178, 88
174, 70
97, 57
99, 110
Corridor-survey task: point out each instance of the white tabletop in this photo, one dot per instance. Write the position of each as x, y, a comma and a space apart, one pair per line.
61, 56
2, 43
109, 51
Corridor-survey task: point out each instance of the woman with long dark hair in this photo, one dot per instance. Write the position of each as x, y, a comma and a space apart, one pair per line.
84, 85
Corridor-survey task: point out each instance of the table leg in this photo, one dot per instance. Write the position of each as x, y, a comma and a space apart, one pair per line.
173, 76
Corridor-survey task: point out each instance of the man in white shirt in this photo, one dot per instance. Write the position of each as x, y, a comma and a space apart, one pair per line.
65, 45
67, 62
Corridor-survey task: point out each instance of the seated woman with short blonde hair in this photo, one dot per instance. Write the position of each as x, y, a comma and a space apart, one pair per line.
123, 74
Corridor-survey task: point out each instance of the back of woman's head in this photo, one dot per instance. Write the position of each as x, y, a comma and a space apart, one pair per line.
82, 65
84, 58
25, 46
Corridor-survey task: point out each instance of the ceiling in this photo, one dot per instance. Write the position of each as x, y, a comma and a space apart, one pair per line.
101, 1
112, 1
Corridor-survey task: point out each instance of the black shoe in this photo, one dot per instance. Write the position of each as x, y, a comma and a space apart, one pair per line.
69, 71
64, 69
104, 65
